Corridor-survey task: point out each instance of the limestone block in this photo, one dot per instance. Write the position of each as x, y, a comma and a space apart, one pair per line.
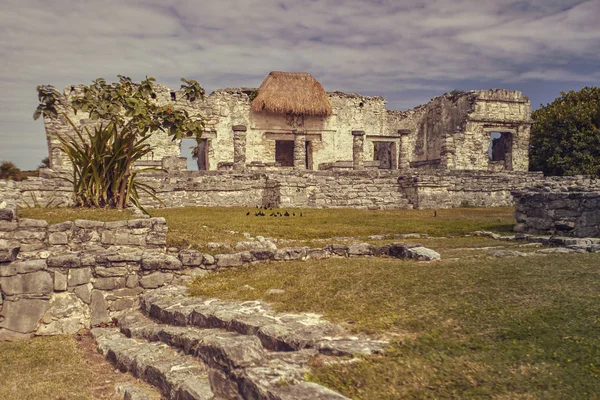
155, 280
423, 254
8, 251
190, 257
109, 283
71, 260
160, 261
99, 309
32, 223
58, 238
60, 281
86, 224
79, 276
84, 292
38, 282
22, 267
110, 271
121, 304
61, 227
229, 260
24, 315
67, 314
132, 281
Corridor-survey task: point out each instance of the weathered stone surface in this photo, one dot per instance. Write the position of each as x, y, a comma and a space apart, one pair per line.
8, 251
69, 260
84, 292
79, 276
229, 260
22, 267
39, 282
121, 304
177, 376
99, 309
160, 261
155, 280
190, 257
32, 223
133, 280
208, 259
60, 227
109, 283
58, 238
137, 392
423, 254
24, 315
104, 272
60, 281
67, 314
291, 253
362, 249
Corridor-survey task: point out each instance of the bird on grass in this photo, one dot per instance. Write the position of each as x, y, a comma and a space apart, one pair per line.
248, 213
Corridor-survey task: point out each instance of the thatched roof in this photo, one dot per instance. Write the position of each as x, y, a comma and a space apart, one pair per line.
292, 93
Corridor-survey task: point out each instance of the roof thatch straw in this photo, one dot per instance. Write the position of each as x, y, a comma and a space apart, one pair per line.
292, 93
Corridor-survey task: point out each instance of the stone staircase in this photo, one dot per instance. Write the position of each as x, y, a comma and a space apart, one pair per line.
194, 348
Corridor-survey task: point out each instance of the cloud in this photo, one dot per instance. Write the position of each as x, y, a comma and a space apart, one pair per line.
413, 48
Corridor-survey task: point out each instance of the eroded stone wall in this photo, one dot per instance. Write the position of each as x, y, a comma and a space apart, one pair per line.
450, 132
559, 210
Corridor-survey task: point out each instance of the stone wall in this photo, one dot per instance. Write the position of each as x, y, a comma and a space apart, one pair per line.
64, 277
559, 209
343, 188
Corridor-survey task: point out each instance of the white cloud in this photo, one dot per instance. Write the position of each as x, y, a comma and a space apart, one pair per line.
377, 46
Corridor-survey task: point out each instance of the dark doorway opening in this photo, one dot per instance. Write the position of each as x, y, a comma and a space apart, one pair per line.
385, 153
284, 152
500, 150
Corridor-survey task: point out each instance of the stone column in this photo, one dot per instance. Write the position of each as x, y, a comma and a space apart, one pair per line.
358, 150
403, 161
239, 147
299, 150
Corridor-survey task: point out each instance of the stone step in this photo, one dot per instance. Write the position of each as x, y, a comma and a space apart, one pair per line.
131, 391
177, 376
276, 331
239, 366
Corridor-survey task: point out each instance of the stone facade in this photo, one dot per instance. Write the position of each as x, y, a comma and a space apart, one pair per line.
451, 132
567, 211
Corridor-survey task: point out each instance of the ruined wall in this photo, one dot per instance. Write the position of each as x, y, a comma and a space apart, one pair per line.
450, 132
559, 209
63, 277
493, 111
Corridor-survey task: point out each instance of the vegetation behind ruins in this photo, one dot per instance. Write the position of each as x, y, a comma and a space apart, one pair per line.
565, 136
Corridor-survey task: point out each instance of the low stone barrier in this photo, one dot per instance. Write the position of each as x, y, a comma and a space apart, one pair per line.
567, 211
60, 278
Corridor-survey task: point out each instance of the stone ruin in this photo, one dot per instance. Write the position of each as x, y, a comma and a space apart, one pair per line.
484, 130
566, 211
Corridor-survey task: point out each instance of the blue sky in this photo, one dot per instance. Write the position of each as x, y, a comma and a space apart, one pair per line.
406, 51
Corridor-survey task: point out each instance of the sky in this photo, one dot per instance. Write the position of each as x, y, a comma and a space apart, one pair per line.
407, 51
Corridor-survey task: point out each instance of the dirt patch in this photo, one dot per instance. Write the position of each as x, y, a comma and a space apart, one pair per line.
105, 376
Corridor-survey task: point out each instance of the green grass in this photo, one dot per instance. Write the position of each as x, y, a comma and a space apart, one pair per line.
43, 368
486, 328
195, 226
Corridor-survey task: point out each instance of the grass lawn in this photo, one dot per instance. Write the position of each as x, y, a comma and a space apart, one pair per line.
519, 327
486, 328
195, 226
57, 368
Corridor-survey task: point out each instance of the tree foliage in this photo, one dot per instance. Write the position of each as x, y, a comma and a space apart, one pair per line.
565, 136
125, 115
8, 170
